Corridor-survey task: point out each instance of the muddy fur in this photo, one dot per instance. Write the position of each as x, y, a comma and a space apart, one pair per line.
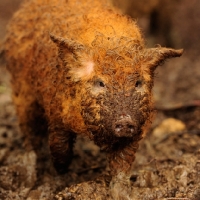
80, 67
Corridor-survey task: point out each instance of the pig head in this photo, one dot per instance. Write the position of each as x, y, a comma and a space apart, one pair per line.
112, 81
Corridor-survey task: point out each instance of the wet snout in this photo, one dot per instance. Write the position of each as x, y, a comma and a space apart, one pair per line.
124, 127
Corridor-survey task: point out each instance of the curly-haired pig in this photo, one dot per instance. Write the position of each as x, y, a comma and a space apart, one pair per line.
79, 67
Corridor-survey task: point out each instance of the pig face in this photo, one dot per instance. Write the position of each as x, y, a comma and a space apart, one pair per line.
117, 102
115, 83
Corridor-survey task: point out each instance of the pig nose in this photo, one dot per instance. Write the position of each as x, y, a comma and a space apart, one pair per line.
124, 127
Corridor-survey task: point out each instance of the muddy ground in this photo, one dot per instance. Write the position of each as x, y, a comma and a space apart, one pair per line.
167, 165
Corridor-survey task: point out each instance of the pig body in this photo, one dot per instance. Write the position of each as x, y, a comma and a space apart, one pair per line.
80, 67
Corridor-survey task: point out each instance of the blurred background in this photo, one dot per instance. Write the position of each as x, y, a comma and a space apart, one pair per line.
170, 23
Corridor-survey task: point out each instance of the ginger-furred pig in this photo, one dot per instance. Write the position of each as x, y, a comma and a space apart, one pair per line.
79, 67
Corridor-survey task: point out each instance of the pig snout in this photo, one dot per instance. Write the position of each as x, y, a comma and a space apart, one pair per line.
124, 127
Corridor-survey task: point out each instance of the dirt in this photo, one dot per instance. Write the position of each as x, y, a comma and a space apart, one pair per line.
167, 164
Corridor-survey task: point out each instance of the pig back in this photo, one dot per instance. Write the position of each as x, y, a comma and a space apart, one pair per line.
80, 20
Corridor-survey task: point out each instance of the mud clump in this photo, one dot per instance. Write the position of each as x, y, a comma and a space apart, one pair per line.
83, 71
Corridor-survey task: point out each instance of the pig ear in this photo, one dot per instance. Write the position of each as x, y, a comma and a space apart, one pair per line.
70, 52
66, 46
156, 56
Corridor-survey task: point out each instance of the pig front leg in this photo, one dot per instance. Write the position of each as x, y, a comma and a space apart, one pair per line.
61, 148
120, 163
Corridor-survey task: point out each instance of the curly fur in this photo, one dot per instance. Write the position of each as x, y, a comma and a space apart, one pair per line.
80, 67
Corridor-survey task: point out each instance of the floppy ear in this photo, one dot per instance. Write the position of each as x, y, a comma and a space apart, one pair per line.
154, 57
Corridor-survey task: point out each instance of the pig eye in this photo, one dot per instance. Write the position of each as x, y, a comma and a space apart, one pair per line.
100, 83
138, 84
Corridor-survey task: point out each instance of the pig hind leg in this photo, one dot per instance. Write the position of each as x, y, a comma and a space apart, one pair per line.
31, 120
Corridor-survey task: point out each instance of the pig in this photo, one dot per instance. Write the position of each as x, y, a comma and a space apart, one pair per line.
80, 67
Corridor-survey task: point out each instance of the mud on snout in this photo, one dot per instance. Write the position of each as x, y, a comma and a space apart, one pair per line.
124, 126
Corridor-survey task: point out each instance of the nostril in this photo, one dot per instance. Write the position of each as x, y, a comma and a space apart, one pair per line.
130, 127
118, 127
